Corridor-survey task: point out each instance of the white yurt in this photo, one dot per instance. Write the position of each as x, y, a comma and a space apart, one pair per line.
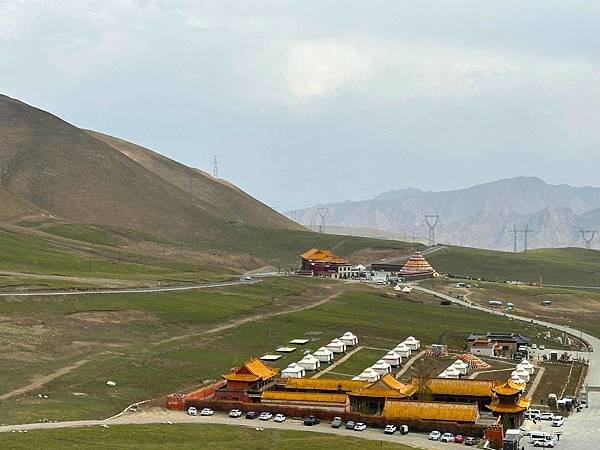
349, 339
525, 364
336, 346
517, 379
392, 358
413, 343
381, 367
522, 373
309, 362
323, 355
461, 366
403, 350
452, 372
293, 371
369, 375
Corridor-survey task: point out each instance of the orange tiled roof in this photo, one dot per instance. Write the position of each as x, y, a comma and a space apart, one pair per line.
509, 388
387, 386
308, 397
455, 412
322, 384
257, 370
316, 254
509, 408
416, 264
459, 387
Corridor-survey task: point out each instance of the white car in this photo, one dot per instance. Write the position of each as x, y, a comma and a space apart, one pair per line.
279, 418
360, 427
557, 421
207, 412
533, 414
447, 437
547, 416
390, 429
550, 443
435, 436
192, 411
235, 413
265, 416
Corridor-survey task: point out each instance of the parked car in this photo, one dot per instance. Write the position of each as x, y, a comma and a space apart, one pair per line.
547, 416
350, 425
403, 429
471, 441
279, 418
545, 444
251, 415
557, 421
360, 427
207, 412
533, 414
235, 413
336, 422
192, 411
390, 429
447, 437
311, 420
435, 436
459, 439
265, 416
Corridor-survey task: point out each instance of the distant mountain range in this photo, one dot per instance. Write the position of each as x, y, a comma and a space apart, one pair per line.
479, 216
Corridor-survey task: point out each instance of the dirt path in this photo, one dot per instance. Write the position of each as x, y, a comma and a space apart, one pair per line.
409, 363
337, 363
244, 320
41, 381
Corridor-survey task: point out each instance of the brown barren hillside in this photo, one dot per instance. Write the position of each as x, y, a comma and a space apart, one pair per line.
49, 165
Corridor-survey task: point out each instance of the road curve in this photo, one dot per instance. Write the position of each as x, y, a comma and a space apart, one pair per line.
185, 287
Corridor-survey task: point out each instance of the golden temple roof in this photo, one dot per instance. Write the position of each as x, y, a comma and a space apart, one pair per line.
509, 388
455, 412
459, 387
509, 408
311, 397
322, 384
316, 254
386, 387
253, 370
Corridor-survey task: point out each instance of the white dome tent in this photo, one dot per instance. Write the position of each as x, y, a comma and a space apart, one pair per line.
336, 346
403, 350
369, 375
392, 358
293, 371
309, 362
461, 366
349, 339
413, 343
381, 367
323, 355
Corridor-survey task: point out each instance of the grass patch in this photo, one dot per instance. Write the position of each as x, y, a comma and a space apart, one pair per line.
186, 437
84, 233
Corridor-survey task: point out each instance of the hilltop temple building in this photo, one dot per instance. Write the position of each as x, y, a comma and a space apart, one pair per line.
319, 262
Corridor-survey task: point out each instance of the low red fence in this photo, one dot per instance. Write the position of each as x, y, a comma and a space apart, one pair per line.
178, 401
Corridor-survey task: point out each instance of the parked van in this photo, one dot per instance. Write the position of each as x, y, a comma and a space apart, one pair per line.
539, 436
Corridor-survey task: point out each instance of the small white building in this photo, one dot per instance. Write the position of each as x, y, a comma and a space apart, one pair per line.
369, 375
452, 372
309, 362
413, 343
381, 367
443, 375
392, 358
403, 350
521, 373
349, 339
461, 366
323, 355
293, 371
336, 346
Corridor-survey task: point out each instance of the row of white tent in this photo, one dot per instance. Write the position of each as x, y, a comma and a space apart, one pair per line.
311, 362
392, 359
522, 373
455, 370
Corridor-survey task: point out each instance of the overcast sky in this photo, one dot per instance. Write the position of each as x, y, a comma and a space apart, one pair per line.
318, 101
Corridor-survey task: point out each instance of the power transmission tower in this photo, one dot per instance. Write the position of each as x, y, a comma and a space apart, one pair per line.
525, 232
431, 220
323, 213
514, 232
588, 237
313, 225
215, 165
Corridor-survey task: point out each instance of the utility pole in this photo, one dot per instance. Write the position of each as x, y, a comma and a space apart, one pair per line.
514, 232
431, 220
588, 237
215, 165
525, 232
323, 213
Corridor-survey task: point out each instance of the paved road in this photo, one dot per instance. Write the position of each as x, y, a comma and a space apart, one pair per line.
580, 430
185, 287
164, 417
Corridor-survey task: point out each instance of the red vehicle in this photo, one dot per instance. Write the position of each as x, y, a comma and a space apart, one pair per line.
459, 439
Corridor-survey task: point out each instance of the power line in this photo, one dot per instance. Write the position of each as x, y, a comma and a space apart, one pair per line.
431, 220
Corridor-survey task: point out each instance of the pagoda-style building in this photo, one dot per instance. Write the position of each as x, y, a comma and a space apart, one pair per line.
246, 383
416, 268
508, 401
324, 263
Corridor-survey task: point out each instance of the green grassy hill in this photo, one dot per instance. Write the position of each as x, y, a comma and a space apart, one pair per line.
567, 266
